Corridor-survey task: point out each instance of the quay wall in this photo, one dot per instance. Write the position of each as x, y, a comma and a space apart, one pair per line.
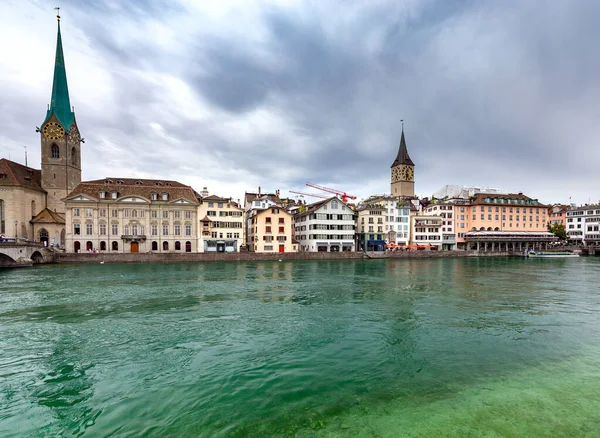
250, 256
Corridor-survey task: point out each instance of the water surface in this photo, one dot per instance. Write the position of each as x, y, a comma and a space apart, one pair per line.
457, 347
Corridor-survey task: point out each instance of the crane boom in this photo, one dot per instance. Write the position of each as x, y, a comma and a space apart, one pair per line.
315, 195
343, 195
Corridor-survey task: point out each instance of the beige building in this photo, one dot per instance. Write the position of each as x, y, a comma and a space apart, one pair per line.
426, 231
132, 215
269, 228
221, 224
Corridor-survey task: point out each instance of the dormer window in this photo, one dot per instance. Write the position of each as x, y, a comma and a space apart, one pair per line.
168, 184
165, 196
154, 196
108, 181
139, 183
102, 194
158, 183
114, 195
119, 181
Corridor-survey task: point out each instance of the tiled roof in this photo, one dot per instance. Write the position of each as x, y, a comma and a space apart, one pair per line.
497, 199
134, 187
47, 216
311, 208
15, 174
249, 197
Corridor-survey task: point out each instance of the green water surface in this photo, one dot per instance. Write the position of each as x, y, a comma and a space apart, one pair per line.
488, 347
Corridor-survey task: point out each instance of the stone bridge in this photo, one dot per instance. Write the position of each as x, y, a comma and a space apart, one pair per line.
19, 253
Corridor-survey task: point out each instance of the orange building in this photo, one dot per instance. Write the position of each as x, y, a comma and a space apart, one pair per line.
495, 212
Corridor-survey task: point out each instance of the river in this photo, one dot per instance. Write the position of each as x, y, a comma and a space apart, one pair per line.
417, 348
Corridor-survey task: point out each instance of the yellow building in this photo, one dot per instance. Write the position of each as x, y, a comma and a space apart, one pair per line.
221, 225
270, 230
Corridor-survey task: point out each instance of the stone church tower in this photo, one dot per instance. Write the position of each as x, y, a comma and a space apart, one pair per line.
403, 172
60, 139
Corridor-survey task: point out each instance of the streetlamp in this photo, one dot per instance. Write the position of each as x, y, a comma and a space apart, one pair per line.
16, 223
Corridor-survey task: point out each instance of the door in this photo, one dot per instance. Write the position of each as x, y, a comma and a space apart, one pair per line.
281, 248
135, 247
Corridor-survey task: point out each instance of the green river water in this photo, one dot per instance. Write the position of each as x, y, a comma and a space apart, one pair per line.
490, 347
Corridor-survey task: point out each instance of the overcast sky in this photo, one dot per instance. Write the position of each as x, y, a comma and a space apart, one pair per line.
236, 95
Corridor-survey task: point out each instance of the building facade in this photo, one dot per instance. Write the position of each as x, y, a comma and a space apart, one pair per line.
132, 215
445, 211
427, 231
221, 225
583, 225
370, 227
270, 230
325, 226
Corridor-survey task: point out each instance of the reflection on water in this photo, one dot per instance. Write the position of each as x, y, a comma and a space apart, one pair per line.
378, 347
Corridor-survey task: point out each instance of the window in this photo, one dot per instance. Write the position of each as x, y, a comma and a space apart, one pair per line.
102, 230
154, 196
114, 213
88, 212
154, 230
178, 230
281, 220
165, 230
134, 213
268, 247
134, 230
188, 214
165, 214
177, 214
113, 195
102, 212
178, 246
275, 211
101, 194
188, 230
282, 229
89, 229
213, 234
211, 213
55, 152
154, 214
114, 229
267, 229
165, 196
76, 212
76, 229
211, 204
220, 205
268, 220
126, 212
126, 230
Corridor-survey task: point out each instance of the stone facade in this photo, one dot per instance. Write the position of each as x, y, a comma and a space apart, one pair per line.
221, 225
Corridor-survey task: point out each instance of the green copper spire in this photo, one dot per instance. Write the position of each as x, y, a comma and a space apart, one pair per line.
60, 104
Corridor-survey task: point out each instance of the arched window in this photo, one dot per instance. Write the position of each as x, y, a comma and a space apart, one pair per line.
103, 246
178, 246
115, 246
2, 213
165, 246
33, 209
154, 245
73, 156
43, 235
188, 246
89, 246
55, 152
76, 246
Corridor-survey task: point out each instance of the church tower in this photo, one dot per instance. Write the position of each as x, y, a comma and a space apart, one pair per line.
403, 172
60, 139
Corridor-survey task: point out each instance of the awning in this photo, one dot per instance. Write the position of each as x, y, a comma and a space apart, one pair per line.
375, 242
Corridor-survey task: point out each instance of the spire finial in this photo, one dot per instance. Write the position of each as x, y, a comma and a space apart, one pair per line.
57, 9
402, 120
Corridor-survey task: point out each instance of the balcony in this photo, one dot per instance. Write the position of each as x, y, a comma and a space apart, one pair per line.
133, 237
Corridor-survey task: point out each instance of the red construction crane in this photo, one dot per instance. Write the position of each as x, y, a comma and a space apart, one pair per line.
343, 195
315, 195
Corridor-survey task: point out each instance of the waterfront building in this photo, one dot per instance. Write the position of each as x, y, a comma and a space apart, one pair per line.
446, 212
132, 215
326, 225
396, 219
403, 172
221, 224
370, 228
268, 223
426, 231
583, 224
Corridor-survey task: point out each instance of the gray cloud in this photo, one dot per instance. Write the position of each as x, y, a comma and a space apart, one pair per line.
497, 94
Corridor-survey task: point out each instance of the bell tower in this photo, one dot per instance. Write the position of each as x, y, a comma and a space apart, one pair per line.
60, 139
403, 172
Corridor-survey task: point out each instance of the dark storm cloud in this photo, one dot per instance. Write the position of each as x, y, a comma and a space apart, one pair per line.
493, 93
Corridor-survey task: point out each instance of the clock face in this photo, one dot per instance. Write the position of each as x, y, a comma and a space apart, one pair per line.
74, 135
395, 174
410, 173
53, 131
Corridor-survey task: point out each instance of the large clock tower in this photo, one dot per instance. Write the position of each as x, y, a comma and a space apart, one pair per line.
60, 139
403, 172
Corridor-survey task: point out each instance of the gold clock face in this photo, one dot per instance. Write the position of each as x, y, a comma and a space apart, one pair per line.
74, 135
53, 131
410, 174
395, 174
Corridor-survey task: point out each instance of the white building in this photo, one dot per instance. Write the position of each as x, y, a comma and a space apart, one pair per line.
427, 230
583, 224
395, 220
221, 224
446, 212
326, 225
452, 191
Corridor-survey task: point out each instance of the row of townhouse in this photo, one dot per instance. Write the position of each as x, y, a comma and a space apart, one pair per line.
383, 220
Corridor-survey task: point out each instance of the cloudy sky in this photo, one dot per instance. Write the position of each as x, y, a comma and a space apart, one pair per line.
233, 95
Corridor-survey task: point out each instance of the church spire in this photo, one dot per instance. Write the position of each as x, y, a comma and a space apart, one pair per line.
60, 103
402, 157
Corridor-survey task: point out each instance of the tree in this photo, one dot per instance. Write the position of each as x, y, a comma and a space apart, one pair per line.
558, 230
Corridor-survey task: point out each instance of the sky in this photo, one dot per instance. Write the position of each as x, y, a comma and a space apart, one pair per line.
233, 95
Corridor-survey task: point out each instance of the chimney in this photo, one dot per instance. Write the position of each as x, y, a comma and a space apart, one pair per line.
258, 190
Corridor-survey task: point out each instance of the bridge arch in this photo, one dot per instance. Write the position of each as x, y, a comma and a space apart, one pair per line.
6, 260
37, 258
